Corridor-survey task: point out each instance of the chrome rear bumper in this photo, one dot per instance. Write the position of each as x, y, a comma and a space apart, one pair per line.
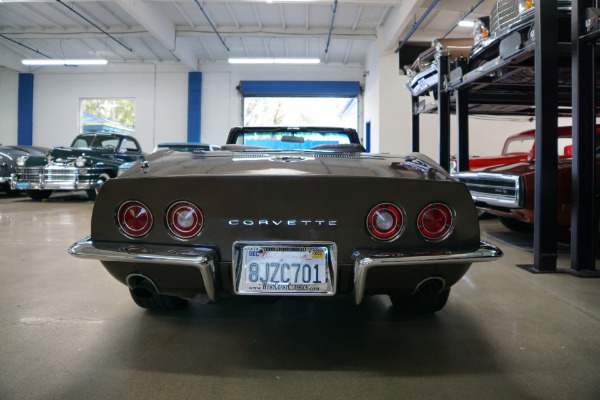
364, 261
201, 258
204, 259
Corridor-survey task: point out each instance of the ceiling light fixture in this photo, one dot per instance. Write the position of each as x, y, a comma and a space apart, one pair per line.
274, 61
466, 24
67, 62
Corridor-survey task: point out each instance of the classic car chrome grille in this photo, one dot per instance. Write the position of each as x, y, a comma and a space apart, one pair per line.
62, 174
504, 14
499, 190
30, 174
50, 173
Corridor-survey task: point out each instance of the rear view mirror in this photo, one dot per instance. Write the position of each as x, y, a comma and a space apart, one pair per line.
292, 139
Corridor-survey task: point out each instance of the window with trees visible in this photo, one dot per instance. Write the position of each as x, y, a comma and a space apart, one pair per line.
301, 111
107, 115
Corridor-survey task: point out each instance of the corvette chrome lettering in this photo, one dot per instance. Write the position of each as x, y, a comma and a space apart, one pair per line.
290, 222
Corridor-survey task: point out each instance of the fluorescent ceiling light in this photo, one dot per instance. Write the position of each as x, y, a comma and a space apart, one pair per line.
64, 62
274, 61
466, 24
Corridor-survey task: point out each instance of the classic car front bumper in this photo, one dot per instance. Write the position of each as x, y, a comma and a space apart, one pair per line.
54, 178
204, 259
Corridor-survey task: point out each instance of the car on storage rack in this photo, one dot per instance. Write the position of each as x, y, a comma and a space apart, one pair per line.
175, 146
91, 160
508, 190
510, 28
423, 73
286, 212
517, 148
8, 161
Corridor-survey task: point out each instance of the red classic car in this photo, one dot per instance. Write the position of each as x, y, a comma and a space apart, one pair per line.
517, 148
508, 190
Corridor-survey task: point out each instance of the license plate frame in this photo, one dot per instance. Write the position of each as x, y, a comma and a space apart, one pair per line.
280, 278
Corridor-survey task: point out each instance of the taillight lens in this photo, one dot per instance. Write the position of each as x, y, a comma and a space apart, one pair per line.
385, 221
135, 218
436, 221
184, 219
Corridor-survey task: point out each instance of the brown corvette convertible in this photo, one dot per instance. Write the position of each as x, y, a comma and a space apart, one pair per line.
286, 212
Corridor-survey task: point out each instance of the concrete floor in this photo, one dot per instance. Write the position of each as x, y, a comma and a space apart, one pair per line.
68, 330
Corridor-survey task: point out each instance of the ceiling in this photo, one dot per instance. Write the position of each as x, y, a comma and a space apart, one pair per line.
183, 31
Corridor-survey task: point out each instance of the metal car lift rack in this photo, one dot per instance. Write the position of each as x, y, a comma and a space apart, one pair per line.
546, 79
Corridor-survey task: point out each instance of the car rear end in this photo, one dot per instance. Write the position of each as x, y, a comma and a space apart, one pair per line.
335, 221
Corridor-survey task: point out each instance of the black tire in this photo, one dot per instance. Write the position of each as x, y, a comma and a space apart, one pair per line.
420, 303
12, 193
516, 225
474, 64
38, 195
145, 297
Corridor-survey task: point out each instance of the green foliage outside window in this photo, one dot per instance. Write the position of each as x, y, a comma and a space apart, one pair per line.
117, 110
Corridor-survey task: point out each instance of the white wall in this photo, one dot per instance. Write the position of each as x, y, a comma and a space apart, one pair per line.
161, 96
371, 95
161, 100
161, 103
9, 87
222, 103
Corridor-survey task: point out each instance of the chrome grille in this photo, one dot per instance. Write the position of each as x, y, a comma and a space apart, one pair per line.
30, 174
504, 14
499, 190
51, 174
60, 174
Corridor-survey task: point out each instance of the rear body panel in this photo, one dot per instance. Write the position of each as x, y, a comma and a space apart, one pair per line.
261, 208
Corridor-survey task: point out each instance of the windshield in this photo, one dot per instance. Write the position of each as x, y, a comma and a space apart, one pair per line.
519, 145
96, 141
291, 140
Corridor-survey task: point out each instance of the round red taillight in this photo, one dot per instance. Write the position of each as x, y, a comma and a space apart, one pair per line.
436, 221
135, 218
385, 221
184, 219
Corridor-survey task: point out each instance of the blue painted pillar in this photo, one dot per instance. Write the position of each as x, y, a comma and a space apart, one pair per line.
25, 110
194, 106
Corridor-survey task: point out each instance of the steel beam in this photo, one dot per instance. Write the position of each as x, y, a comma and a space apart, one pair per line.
444, 112
462, 113
415, 124
584, 123
546, 136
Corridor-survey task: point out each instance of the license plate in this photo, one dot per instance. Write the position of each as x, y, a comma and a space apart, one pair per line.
22, 185
285, 268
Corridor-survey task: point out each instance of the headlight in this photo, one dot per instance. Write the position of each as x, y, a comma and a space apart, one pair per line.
80, 162
480, 31
439, 49
21, 161
453, 166
525, 5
